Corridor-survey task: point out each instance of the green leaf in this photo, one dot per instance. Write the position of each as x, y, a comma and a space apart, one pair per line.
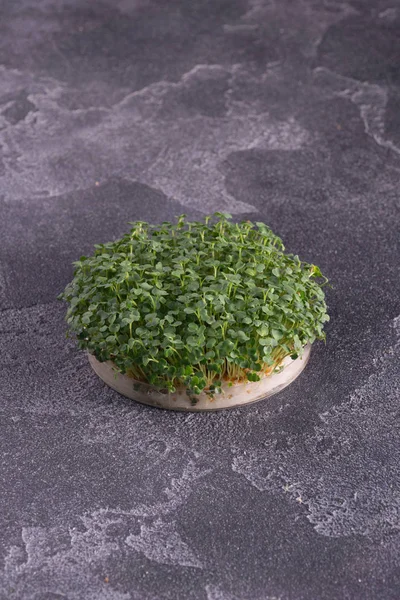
276, 334
242, 336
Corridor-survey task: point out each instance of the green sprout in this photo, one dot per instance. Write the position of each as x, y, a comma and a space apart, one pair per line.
195, 303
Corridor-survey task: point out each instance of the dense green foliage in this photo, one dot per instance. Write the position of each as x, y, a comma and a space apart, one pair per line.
194, 303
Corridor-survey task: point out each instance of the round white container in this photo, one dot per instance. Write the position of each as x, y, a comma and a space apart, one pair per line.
232, 395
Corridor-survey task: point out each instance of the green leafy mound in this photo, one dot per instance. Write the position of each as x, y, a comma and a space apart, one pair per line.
195, 303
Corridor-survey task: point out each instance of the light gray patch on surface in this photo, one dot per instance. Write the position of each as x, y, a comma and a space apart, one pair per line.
389, 14
371, 100
176, 491
161, 543
75, 559
215, 592
43, 565
16, 108
135, 139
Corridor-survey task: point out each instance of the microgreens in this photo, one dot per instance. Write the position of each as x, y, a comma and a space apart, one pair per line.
195, 303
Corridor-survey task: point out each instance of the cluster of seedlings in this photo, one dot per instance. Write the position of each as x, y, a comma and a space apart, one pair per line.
195, 303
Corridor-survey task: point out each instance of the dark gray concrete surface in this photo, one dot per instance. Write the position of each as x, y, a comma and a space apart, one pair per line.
275, 110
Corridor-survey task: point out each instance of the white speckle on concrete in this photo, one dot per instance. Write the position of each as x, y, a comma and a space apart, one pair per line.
161, 543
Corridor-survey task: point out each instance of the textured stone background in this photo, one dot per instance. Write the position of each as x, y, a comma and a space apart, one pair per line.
278, 110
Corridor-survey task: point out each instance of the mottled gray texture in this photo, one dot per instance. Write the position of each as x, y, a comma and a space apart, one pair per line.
281, 111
